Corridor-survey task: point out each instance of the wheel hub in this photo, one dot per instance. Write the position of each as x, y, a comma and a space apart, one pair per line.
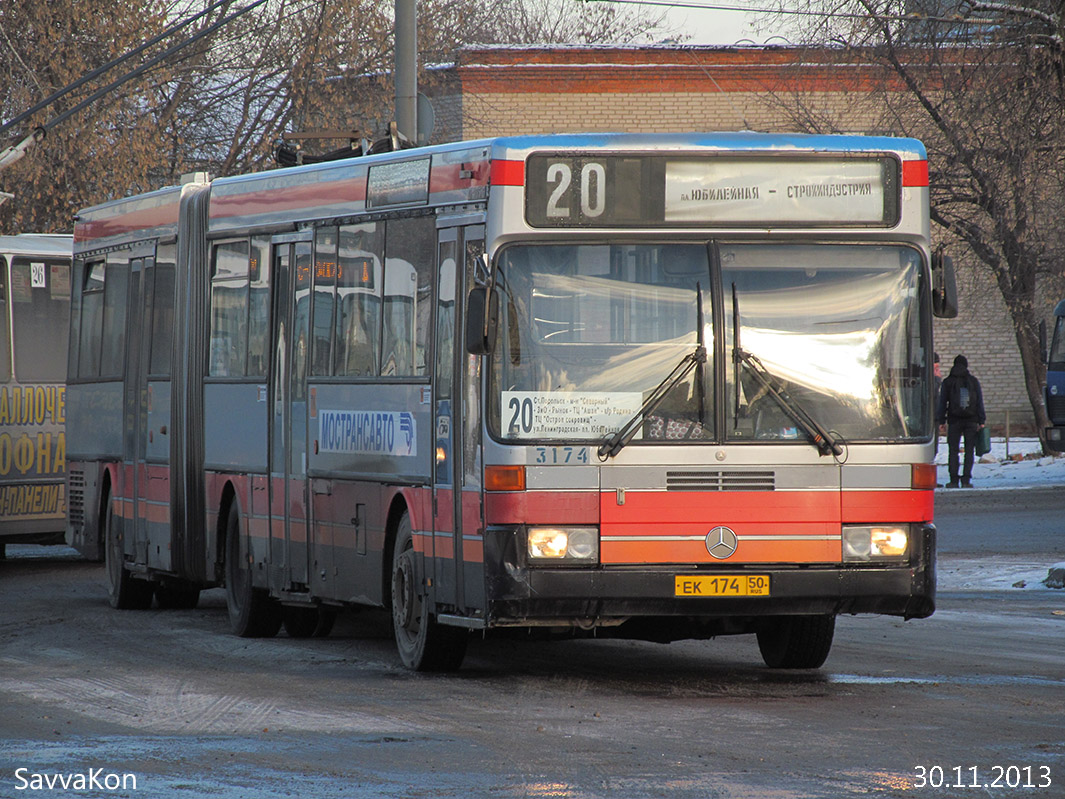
403, 590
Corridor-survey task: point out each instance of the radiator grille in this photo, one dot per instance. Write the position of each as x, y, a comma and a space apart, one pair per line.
76, 498
720, 480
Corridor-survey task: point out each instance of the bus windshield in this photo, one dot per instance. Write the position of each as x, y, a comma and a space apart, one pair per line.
1056, 358
40, 294
588, 331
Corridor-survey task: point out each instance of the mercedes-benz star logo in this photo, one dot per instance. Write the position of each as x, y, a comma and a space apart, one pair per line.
721, 542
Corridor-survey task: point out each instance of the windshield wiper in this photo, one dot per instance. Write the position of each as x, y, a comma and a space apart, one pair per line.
615, 442
825, 442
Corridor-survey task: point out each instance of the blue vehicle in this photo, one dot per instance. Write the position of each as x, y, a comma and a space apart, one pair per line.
1055, 388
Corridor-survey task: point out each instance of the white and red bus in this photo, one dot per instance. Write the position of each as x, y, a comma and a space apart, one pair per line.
646, 386
34, 317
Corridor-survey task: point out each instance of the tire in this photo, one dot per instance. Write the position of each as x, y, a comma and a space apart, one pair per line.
327, 617
124, 592
423, 644
796, 642
252, 613
301, 622
174, 596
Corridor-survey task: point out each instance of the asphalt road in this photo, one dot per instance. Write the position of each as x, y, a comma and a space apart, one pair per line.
972, 695
991, 521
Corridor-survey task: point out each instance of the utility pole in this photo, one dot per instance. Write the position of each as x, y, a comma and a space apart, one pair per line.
406, 69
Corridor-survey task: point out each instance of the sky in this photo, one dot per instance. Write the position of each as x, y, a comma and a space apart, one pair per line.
727, 23
717, 26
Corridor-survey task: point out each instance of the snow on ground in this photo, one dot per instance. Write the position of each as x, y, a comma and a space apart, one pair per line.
1001, 573
1001, 468
1018, 464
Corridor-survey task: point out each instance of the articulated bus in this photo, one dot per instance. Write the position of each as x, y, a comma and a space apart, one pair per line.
34, 317
659, 387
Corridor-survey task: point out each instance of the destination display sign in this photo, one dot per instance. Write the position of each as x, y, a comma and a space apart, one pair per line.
398, 183
712, 191
567, 414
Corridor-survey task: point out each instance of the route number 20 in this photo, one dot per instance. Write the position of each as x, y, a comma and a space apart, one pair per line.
591, 195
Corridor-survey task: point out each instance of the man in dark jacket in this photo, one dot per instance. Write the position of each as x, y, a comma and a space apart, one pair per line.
961, 409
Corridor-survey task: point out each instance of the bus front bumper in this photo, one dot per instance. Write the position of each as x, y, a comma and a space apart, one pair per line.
523, 595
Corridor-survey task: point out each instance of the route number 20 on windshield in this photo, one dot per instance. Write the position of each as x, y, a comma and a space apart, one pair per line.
570, 415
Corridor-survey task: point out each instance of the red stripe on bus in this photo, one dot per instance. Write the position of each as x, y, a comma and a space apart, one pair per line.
692, 511
914, 173
288, 198
455, 177
141, 219
508, 173
864, 507
541, 507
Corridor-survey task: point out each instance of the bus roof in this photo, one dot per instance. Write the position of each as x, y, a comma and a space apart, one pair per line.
143, 216
44, 244
726, 141
453, 173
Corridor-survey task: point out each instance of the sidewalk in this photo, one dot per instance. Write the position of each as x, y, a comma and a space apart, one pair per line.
993, 470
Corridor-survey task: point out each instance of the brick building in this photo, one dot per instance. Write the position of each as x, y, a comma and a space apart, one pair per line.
509, 90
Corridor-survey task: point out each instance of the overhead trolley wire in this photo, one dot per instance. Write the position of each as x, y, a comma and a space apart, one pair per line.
47, 101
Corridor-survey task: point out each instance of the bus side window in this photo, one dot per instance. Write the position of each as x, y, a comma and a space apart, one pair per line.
162, 314
358, 312
229, 309
259, 307
323, 307
116, 304
92, 320
410, 249
5, 332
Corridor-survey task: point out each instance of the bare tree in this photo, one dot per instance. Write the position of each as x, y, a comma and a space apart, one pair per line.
221, 103
984, 86
44, 47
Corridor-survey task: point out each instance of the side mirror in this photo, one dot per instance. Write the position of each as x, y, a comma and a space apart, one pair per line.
482, 319
1043, 352
944, 287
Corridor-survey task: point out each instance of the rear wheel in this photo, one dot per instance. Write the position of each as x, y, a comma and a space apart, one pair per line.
423, 644
252, 613
123, 590
796, 642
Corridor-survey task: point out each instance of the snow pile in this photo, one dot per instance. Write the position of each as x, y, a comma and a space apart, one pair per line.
1016, 465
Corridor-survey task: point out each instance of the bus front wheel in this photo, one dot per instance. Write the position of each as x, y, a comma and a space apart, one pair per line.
252, 613
423, 644
796, 642
124, 591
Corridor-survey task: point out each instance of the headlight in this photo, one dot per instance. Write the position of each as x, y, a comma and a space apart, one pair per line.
564, 544
876, 542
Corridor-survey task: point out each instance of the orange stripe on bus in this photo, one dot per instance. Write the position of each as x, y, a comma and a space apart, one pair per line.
750, 550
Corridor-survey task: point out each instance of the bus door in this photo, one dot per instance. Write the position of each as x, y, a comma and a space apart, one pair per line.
135, 399
154, 407
456, 470
287, 397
